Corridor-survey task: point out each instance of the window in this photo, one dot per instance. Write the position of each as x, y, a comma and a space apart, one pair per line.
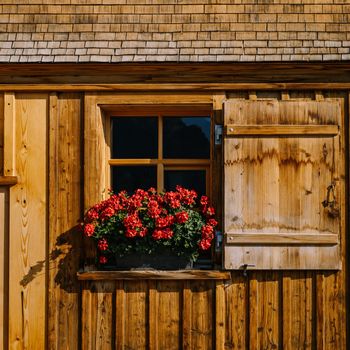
159, 147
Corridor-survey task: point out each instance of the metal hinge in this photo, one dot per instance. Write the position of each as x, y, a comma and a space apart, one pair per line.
218, 134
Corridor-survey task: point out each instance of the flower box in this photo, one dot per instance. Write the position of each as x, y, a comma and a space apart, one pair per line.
150, 230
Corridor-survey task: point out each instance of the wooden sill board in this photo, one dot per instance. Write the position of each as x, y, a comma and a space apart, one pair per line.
8, 180
154, 275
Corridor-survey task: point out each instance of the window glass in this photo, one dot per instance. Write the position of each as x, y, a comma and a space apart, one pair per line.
191, 179
130, 178
186, 137
134, 137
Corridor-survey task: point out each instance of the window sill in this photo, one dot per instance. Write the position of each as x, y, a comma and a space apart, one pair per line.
154, 275
8, 180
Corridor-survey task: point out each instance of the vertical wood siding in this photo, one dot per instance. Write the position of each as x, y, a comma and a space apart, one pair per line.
50, 309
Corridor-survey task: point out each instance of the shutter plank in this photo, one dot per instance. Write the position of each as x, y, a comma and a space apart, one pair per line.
280, 130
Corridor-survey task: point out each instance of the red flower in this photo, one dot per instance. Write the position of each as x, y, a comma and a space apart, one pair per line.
103, 259
143, 232
207, 232
173, 199
208, 211
181, 217
89, 230
102, 244
165, 221
92, 214
212, 222
204, 200
153, 209
130, 233
165, 233
132, 221
107, 213
204, 244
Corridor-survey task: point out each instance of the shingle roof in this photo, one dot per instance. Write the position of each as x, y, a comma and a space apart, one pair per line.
174, 30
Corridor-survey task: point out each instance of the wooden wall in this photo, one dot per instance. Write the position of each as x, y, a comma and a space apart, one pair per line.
44, 306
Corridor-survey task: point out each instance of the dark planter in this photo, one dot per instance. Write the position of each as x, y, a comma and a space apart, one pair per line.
145, 261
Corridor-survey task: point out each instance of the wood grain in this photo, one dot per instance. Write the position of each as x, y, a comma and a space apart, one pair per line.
65, 211
4, 268
1, 134
281, 130
276, 185
8, 180
97, 301
9, 147
28, 230
264, 311
282, 238
136, 309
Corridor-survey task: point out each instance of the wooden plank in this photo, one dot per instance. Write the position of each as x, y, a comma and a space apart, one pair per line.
237, 312
153, 314
169, 315
120, 316
202, 315
281, 238
9, 134
28, 226
279, 130
64, 241
136, 312
297, 310
4, 268
97, 326
264, 311
76, 87
1, 134
8, 180
220, 319
187, 316
154, 274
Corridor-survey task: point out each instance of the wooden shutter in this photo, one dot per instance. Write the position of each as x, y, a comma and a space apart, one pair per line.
281, 165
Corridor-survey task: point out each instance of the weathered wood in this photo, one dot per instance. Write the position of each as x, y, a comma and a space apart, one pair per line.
154, 274
187, 316
136, 311
264, 307
279, 130
276, 185
9, 134
279, 238
297, 309
191, 87
97, 322
64, 214
28, 225
1, 134
169, 314
8, 180
203, 301
120, 315
4, 316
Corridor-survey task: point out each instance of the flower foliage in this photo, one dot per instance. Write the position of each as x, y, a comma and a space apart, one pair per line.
150, 222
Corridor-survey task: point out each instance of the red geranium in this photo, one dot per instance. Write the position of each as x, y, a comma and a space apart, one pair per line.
149, 222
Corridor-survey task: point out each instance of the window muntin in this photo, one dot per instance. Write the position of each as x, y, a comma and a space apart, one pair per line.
125, 153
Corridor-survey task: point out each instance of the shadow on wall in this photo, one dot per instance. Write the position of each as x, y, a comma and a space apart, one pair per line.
64, 260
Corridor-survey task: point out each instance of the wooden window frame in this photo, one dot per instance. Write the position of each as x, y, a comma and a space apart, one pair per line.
163, 164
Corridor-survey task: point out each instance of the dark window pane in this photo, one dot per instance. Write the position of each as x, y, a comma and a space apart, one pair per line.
134, 137
130, 178
191, 179
186, 137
